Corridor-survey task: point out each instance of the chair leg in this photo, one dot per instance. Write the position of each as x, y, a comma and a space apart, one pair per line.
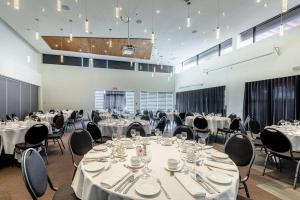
45, 150
246, 189
62, 152
62, 143
265, 164
296, 175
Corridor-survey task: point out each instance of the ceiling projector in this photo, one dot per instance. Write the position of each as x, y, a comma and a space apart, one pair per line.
128, 50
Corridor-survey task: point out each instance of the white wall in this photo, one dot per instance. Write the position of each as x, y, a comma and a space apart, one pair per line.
234, 78
73, 87
13, 56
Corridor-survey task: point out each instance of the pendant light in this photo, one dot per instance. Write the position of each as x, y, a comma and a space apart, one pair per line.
117, 10
188, 19
58, 5
37, 33
284, 6
71, 30
86, 22
257, 1
152, 34
281, 27
17, 4
218, 31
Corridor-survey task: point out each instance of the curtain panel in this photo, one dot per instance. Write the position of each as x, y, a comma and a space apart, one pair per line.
209, 100
115, 100
269, 101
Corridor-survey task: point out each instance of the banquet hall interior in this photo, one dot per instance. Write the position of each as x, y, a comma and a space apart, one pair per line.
150, 99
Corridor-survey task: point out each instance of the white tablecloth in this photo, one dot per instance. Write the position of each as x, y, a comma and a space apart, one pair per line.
14, 133
292, 133
170, 115
87, 187
214, 122
119, 126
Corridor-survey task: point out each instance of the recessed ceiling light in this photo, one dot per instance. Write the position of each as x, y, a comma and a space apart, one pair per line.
227, 27
169, 39
199, 12
43, 9
157, 11
182, 43
203, 32
266, 5
8, 3
145, 30
179, 27
224, 14
80, 15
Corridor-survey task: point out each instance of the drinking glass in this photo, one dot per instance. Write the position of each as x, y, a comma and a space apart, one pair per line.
146, 159
114, 137
113, 155
178, 140
184, 167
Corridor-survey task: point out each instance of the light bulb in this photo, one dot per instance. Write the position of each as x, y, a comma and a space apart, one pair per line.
152, 37
281, 30
71, 37
58, 5
188, 22
61, 59
218, 33
117, 12
86, 25
17, 4
37, 35
284, 6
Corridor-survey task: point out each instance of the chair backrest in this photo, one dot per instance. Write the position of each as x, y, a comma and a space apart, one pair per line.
145, 112
241, 151
8, 117
162, 114
96, 118
145, 117
235, 124
73, 115
1, 144
94, 130
80, 142
52, 111
254, 126
281, 122
200, 123
59, 122
189, 114
55, 118
80, 112
137, 127
184, 128
182, 116
177, 120
36, 134
34, 173
275, 140
161, 124
232, 116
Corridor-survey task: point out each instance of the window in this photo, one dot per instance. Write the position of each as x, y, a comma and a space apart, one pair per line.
245, 38
208, 54
226, 47
130, 102
156, 101
100, 101
190, 62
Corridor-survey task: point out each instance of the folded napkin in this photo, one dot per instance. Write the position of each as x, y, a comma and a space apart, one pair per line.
220, 165
190, 185
97, 155
116, 174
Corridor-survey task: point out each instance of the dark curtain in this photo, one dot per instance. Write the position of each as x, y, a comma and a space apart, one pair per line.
209, 100
115, 100
269, 101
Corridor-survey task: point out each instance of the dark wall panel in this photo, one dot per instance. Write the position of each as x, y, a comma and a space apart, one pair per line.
34, 98
25, 99
13, 97
2, 96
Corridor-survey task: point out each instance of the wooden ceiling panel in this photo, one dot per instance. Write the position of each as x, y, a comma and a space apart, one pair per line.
100, 46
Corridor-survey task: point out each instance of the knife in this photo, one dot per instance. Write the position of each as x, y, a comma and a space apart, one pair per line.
118, 188
129, 180
130, 186
209, 184
202, 185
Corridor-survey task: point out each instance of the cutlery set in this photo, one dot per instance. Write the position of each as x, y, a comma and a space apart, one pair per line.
129, 181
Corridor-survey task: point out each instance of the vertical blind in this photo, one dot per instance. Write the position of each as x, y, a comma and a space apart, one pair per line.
204, 100
269, 101
156, 101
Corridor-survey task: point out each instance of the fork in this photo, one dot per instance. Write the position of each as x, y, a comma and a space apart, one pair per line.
163, 189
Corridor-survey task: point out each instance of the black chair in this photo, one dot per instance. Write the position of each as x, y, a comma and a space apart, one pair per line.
161, 125
80, 142
145, 117
232, 116
137, 127
52, 111
72, 119
241, 151
234, 127
201, 127
35, 137
36, 179
255, 129
1, 145
177, 120
9, 117
96, 118
162, 114
182, 116
189, 114
155, 118
184, 128
279, 146
57, 133
96, 134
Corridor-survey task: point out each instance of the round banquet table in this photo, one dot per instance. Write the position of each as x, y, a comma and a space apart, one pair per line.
214, 122
119, 126
87, 186
14, 132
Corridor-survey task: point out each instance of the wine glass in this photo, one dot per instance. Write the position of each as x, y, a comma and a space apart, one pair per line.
113, 155
184, 167
178, 139
146, 159
201, 143
114, 137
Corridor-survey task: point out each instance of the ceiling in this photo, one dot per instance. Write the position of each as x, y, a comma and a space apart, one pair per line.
172, 45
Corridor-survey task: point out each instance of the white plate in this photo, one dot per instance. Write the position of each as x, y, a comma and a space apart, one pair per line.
207, 147
219, 155
179, 167
148, 189
166, 144
93, 166
100, 148
219, 178
134, 166
121, 156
